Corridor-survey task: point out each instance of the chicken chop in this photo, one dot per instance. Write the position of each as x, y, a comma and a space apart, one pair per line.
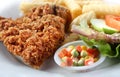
35, 36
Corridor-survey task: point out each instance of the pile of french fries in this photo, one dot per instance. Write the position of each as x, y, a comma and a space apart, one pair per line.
77, 7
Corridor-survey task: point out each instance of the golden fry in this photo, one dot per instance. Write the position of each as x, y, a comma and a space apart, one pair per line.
86, 2
74, 8
60, 2
102, 9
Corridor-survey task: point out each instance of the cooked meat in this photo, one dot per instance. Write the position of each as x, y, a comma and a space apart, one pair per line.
34, 17
35, 36
51, 9
5, 23
37, 45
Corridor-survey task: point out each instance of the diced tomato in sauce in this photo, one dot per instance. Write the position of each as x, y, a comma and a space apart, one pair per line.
92, 55
78, 48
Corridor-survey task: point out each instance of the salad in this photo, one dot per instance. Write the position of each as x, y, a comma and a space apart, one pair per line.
79, 55
102, 33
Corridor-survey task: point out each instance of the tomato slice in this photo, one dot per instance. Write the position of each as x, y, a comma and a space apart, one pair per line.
113, 21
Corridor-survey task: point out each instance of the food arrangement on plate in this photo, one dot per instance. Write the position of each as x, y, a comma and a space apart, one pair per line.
46, 25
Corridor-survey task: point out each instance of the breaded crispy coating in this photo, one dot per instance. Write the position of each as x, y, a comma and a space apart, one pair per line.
37, 45
35, 36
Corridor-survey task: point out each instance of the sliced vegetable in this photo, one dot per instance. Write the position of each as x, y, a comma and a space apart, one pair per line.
100, 25
113, 21
84, 29
97, 25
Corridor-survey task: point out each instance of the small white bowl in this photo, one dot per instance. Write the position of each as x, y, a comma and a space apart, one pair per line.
77, 68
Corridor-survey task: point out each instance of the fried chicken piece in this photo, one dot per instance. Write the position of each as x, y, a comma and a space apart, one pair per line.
36, 45
34, 17
5, 24
51, 9
35, 36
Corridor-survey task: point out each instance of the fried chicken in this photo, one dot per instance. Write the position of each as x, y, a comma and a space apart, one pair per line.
35, 36
34, 17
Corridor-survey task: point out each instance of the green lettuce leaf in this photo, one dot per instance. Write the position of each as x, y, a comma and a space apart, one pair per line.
107, 49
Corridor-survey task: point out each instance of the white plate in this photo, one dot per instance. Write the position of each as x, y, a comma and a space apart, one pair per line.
11, 67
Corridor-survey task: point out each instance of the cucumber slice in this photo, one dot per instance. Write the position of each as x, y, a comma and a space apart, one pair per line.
97, 25
110, 30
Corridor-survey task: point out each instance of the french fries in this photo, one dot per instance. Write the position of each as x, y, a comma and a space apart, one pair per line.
102, 9
87, 2
59, 2
75, 9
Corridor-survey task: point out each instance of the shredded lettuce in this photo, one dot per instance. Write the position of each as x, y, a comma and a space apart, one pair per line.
107, 49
